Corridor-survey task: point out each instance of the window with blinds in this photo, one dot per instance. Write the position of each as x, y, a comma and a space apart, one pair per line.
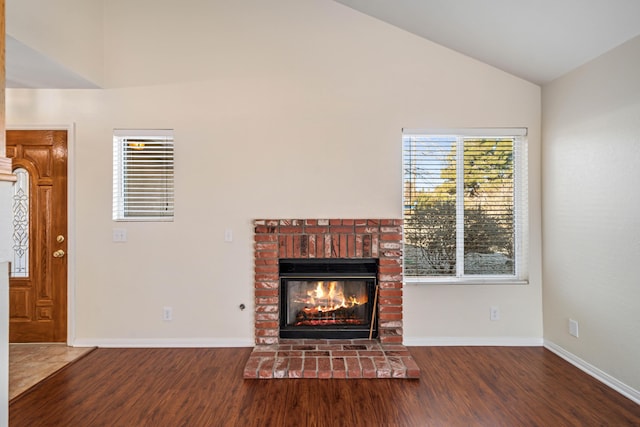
464, 205
143, 187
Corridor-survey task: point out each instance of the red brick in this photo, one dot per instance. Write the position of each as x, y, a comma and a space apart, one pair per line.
316, 230
391, 285
266, 261
266, 254
366, 246
266, 333
413, 371
310, 369
378, 353
324, 367
390, 301
390, 316
343, 246
390, 269
266, 292
266, 300
383, 369
265, 324
340, 229
345, 353
339, 370
266, 277
251, 368
295, 367
280, 367
358, 246
368, 368
353, 367
390, 277
304, 246
388, 293
320, 246
296, 246
265, 238
265, 229
266, 340
388, 339
398, 368
266, 246
391, 254
266, 368
267, 316
375, 242
267, 308
291, 229
289, 248
291, 353
327, 246
312, 245
266, 269
396, 237
270, 284
317, 353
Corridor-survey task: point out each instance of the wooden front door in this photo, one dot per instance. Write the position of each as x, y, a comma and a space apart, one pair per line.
38, 271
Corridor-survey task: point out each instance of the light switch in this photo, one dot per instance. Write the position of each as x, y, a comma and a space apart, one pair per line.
228, 235
119, 235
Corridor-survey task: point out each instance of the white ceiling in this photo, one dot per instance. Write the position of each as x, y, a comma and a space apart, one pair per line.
27, 68
537, 40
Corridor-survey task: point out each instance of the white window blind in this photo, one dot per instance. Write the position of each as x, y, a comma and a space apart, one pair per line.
143, 172
465, 205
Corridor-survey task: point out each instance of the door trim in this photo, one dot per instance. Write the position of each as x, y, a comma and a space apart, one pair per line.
71, 220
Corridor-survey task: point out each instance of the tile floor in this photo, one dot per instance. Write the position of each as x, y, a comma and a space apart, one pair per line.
31, 363
330, 359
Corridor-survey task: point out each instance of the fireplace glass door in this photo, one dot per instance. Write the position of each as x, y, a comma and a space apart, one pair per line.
327, 301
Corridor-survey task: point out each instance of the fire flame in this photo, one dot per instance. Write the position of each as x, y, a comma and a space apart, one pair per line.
329, 296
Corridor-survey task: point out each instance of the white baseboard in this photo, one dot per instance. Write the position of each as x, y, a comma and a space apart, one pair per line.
163, 342
596, 373
472, 341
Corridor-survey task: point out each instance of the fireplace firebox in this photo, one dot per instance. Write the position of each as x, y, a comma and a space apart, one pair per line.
328, 298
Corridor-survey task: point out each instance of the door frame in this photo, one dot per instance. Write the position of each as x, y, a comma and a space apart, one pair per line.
71, 220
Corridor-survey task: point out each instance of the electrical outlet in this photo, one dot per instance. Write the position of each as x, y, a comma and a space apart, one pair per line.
494, 313
167, 313
573, 328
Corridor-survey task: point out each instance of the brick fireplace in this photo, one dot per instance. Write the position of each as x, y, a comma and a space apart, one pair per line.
328, 238
334, 239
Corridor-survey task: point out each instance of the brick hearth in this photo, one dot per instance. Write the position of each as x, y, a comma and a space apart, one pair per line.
384, 357
331, 359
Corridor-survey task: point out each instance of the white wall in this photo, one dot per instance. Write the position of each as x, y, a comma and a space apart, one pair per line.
284, 108
591, 213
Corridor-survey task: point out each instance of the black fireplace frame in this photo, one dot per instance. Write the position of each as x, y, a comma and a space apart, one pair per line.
329, 269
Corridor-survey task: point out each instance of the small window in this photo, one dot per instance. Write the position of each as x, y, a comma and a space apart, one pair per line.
465, 204
143, 175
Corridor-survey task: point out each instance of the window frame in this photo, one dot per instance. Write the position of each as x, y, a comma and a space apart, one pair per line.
521, 228
140, 137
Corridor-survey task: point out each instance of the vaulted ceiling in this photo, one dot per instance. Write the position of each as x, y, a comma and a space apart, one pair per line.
537, 40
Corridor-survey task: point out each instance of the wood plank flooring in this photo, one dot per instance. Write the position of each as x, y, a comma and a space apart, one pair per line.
30, 363
459, 386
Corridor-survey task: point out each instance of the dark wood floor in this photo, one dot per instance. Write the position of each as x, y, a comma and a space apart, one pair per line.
459, 386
